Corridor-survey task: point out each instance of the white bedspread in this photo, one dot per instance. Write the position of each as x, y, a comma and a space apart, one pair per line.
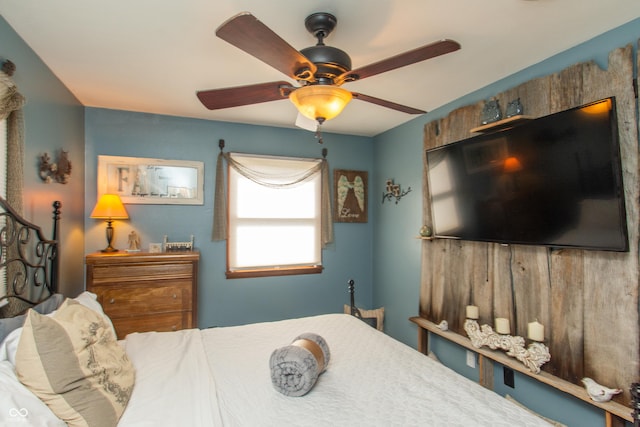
173, 382
221, 377
371, 380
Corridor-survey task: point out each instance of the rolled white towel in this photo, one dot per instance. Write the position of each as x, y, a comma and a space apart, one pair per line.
296, 367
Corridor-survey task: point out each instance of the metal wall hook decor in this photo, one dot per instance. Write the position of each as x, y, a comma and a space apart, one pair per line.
58, 171
8, 67
394, 191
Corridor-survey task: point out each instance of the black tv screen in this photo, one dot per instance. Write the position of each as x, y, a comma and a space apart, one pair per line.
554, 181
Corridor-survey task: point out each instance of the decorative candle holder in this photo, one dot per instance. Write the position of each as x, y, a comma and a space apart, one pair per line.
536, 355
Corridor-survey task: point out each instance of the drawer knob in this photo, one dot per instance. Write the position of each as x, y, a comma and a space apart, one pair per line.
175, 296
112, 301
174, 328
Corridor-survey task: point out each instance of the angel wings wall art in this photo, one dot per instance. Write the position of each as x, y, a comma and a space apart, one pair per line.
350, 202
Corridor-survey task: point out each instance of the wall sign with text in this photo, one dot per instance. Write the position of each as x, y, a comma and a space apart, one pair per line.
152, 181
350, 195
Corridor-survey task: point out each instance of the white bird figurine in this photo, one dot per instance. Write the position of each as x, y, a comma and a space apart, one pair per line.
444, 325
599, 393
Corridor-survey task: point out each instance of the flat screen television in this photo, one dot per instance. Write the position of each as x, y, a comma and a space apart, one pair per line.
554, 181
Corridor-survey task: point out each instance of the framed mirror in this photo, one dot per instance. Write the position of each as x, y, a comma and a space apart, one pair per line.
139, 180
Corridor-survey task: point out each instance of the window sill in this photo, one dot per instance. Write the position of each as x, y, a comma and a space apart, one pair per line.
268, 272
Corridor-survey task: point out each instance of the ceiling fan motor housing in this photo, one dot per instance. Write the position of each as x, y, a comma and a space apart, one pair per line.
330, 61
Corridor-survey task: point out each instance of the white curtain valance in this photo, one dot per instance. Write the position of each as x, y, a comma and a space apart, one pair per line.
271, 172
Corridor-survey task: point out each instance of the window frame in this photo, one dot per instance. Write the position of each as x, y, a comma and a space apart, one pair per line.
284, 270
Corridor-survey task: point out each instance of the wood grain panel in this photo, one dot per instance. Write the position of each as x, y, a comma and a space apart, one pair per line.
565, 336
611, 337
126, 301
530, 284
133, 271
587, 300
433, 252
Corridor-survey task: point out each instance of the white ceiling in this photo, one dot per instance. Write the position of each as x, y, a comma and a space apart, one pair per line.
153, 55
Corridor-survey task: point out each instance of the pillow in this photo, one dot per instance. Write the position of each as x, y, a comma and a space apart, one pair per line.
73, 362
90, 300
20, 407
45, 307
10, 324
9, 345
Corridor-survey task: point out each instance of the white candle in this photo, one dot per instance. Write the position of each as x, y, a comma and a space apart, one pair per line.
502, 325
535, 331
472, 312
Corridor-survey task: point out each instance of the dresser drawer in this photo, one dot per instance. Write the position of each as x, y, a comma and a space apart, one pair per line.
135, 272
160, 323
124, 301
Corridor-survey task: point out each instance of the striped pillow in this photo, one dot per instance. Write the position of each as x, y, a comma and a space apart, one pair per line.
73, 363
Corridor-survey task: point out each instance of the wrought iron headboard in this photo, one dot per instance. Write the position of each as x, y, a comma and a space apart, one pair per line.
28, 260
355, 311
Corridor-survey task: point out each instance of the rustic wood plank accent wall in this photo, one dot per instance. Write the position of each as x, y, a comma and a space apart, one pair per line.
587, 300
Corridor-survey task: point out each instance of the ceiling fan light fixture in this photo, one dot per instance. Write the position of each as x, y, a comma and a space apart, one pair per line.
320, 102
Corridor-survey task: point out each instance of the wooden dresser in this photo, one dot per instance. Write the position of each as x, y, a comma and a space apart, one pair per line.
146, 291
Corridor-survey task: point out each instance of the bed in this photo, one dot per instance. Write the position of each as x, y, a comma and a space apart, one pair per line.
223, 376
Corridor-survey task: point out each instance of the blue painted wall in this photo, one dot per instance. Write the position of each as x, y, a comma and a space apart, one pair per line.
396, 270
229, 302
54, 120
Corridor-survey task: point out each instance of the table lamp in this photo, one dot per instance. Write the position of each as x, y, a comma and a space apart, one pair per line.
109, 207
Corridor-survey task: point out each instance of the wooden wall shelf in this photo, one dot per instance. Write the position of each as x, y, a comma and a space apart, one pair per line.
486, 379
501, 124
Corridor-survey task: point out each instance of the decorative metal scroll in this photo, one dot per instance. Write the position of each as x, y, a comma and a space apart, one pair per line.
533, 357
27, 259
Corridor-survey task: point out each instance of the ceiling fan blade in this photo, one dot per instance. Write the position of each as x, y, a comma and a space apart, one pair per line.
246, 32
387, 104
217, 99
431, 50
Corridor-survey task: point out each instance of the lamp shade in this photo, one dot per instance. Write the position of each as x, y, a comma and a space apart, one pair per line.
109, 206
320, 102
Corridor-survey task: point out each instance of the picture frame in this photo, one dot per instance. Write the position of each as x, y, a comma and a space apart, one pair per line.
155, 248
140, 180
351, 196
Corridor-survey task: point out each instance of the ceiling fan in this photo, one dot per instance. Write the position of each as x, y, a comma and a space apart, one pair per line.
320, 70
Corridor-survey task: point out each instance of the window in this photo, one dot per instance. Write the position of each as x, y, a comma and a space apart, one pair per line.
274, 229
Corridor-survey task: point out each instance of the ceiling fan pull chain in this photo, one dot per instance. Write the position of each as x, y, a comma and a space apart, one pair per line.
319, 135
